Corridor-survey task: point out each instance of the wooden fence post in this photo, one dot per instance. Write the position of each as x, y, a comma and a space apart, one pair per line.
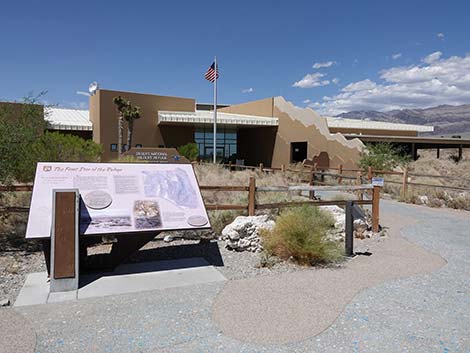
375, 208
360, 195
261, 167
369, 174
311, 194
251, 197
340, 172
404, 188
283, 168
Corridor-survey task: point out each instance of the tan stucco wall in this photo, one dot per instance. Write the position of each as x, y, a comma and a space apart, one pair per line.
104, 116
296, 125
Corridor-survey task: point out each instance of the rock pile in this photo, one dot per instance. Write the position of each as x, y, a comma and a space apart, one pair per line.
243, 233
362, 227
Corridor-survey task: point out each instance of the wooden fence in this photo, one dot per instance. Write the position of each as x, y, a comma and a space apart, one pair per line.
253, 205
360, 176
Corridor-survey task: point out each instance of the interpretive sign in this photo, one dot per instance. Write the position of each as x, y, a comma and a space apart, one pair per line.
156, 155
120, 197
376, 181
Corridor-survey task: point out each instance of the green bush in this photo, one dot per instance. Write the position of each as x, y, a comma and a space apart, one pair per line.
57, 147
300, 233
190, 151
21, 125
382, 156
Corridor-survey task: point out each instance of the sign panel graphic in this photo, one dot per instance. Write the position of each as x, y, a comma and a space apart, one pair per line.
376, 181
120, 197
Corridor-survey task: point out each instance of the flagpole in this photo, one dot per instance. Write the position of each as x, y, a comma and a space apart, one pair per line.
215, 113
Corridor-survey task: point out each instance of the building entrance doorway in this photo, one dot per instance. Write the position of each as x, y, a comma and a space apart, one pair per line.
298, 151
208, 153
226, 142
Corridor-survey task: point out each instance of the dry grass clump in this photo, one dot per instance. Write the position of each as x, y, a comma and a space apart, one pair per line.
215, 174
300, 234
445, 166
459, 173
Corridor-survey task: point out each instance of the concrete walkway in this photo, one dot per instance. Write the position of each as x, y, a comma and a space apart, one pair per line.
406, 300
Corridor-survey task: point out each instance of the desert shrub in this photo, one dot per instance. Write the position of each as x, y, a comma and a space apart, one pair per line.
57, 147
19, 129
23, 143
220, 218
190, 151
461, 202
382, 156
300, 233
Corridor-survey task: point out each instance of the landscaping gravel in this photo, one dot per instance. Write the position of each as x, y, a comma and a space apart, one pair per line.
423, 313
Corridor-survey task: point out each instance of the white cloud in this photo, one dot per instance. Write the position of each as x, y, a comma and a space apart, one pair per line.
324, 64
436, 81
432, 57
396, 56
247, 90
306, 101
83, 93
311, 80
441, 36
335, 80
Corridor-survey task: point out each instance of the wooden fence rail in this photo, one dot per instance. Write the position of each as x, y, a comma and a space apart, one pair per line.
252, 205
314, 171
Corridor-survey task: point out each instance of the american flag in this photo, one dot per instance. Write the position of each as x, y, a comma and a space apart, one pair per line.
212, 73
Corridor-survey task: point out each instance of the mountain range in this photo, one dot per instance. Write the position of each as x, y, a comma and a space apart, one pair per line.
447, 120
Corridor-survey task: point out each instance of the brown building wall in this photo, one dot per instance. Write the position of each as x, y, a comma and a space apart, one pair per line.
295, 125
376, 132
104, 115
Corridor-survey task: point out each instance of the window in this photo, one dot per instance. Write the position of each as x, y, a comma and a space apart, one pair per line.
114, 147
226, 142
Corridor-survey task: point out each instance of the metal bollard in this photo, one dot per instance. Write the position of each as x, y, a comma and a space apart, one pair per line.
349, 230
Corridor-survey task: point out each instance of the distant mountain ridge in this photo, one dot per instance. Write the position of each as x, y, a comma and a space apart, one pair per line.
446, 119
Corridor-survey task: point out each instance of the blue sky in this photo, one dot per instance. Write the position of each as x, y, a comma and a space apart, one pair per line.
267, 46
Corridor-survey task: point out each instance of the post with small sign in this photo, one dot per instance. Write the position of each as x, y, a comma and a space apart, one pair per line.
64, 241
405, 184
377, 183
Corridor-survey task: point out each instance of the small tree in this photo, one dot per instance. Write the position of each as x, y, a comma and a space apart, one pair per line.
190, 151
127, 112
21, 125
382, 156
23, 142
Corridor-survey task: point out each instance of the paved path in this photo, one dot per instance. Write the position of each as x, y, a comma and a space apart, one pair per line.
427, 312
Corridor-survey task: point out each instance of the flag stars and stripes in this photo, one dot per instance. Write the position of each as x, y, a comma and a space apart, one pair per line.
212, 73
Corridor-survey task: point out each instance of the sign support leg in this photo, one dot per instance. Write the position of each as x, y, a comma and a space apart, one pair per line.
64, 259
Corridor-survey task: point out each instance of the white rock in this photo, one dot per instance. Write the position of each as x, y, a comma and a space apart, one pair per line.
338, 215
423, 199
243, 233
360, 225
5, 302
168, 238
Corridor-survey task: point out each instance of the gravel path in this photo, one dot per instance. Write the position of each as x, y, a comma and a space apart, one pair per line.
424, 313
